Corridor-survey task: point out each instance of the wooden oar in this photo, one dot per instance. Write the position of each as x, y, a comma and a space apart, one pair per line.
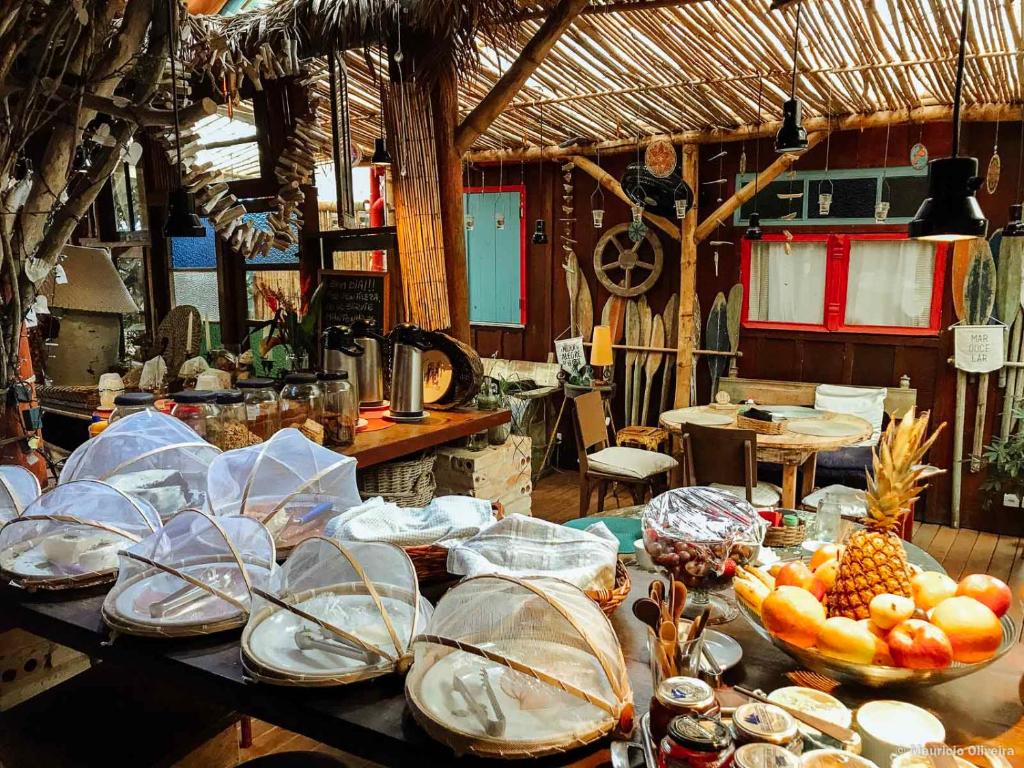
644, 313
632, 340
572, 282
979, 304
614, 316
696, 345
733, 312
657, 339
1011, 252
1008, 286
717, 338
670, 319
961, 261
584, 310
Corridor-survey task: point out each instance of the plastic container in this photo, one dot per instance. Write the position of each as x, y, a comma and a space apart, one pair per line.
262, 406
195, 407
128, 403
230, 429
341, 409
302, 401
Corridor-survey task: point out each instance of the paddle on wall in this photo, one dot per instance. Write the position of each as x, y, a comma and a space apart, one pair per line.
670, 319
717, 339
734, 311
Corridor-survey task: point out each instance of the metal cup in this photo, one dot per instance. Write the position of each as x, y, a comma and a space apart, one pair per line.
824, 203
598, 214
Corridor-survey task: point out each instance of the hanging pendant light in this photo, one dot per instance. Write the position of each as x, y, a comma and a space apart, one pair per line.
754, 231
540, 232
951, 211
792, 136
381, 157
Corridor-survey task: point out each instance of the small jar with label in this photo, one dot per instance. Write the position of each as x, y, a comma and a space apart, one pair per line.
127, 403
195, 407
262, 406
696, 741
758, 723
677, 696
764, 756
302, 405
341, 412
230, 430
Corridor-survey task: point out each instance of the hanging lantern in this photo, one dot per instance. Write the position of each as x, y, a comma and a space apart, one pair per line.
499, 221
638, 213
470, 222
681, 208
881, 211
598, 214
540, 232
824, 203
381, 157
754, 231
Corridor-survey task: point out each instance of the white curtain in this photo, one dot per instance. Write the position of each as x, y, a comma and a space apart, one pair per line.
788, 287
890, 283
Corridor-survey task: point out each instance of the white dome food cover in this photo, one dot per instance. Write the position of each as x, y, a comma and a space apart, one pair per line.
70, 536
193, 576
150, 455
518, 668
18, 489
289, 483
334, 613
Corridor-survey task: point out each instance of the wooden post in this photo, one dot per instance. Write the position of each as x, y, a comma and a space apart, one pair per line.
612, 184
687, 283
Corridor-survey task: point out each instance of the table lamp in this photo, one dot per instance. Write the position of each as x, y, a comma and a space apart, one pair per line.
601, 353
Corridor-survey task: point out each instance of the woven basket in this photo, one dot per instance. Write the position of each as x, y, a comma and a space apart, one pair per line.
785, 535
761, 427
431, 561
610, 599
408, 483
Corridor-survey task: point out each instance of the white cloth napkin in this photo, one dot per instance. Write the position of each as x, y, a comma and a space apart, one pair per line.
446, 520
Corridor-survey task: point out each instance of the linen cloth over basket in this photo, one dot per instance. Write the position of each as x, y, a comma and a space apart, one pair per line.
289, 483
335, 612
150, 455
70, 536
193, 576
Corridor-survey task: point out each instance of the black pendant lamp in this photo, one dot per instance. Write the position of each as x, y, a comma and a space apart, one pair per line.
951, 211
540, 232
381, 157
792, 136
1015, 227
754, 231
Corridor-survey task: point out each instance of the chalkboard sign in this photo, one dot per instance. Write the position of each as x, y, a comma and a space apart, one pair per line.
349, 296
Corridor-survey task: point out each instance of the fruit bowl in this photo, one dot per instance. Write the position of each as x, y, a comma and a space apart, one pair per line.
874, 675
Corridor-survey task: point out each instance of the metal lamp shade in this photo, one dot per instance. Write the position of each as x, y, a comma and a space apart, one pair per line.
182, 220
540, 232
792, 136
1015, 227
754, 231
951, 211
381, 157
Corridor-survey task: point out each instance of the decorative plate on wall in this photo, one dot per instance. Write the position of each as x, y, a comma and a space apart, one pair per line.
660, 157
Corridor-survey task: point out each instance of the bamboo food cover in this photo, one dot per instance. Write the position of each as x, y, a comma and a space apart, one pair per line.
334, 613
289, 483
517, 668
70, 536
18, 489
193, 576
150, 455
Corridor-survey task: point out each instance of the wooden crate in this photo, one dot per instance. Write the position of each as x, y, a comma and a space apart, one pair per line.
480, 466
30, 665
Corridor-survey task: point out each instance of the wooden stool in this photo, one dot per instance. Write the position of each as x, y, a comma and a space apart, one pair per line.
648, 438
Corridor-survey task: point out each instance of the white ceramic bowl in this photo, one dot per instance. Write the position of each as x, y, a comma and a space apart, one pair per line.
889, 728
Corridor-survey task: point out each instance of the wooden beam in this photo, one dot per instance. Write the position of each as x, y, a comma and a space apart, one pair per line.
987, 113
687, 283
493, 104
725, 211
612, 184
618, 6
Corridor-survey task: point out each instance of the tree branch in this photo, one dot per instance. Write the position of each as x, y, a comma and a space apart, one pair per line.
612, 184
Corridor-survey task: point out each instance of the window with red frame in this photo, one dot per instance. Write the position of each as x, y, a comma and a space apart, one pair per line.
861, 283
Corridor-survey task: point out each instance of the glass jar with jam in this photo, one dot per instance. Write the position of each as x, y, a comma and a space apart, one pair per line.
262, 406
758, 723
127, 403
764, 756
677, 696
302, 402
195, 407
696, 741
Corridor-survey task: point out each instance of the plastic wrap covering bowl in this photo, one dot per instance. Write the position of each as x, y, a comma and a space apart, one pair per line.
150, 455
334, 613
18, 489
193, 576
518, 668
692, 532
289, 483
70, 536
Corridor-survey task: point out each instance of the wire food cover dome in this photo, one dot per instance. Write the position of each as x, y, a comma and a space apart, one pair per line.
18, 489
193, 576
518, 668
289, 483
334, 613
150, 455
70, 536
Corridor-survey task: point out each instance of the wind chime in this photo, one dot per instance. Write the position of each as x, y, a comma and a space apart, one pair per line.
637, 228
754, 231
825, 198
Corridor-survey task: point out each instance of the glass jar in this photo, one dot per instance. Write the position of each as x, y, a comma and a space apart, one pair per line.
757, 723
262, 406
341, 411
230, 430
302, 404
696, 741
128, 403
195, 407
677, 696
764, 756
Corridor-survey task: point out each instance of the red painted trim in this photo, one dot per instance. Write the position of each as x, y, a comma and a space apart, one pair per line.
521, 189
745, 256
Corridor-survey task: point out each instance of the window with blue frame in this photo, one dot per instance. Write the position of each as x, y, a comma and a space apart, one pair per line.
194, 276
495, 229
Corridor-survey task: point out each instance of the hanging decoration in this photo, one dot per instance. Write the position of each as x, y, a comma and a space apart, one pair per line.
882, 206
613, 254
743, 159
995, 166
825, 198
792, 136
919, 157
636, 192
754, 231
597, 210
660, 157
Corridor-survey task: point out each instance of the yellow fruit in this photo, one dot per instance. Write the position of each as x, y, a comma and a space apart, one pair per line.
794, 615
889, 610
823, 554
931, 588
973, 630
843, 638
827, 573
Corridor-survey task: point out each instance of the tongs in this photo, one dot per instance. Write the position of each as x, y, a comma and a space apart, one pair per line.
493, 726
189, 596
307, 640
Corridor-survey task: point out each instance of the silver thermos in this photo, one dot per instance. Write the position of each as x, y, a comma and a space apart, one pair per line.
408, 342
342, 353
369, 370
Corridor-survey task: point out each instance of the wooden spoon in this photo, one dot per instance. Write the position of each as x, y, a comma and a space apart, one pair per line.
678, 601
648, 611
668, 636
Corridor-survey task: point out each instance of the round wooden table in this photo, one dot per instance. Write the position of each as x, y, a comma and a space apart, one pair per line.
790, 449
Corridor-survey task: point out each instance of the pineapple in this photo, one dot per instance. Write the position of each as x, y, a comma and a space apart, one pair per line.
874, 561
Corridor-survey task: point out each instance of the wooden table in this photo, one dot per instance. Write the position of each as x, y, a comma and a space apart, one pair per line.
790, 449
371, 719
438, 428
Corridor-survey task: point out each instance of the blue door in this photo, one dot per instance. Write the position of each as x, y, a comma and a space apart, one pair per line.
494, 251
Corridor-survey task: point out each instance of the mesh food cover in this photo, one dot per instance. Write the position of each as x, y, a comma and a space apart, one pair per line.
70, 536
18, 489
193, 576
289, 483
518, 668
150, 455
335, 612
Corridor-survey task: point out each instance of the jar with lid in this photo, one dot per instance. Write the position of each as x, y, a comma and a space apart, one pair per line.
764, 756
195, 407
677, 696
696, 741
341, 412
262, 406
127, 403
758, 723
230, 430
302, 405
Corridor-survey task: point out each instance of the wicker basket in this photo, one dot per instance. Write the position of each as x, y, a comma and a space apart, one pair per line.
431, 561
785, 535
610, 599
408, 483
761, 427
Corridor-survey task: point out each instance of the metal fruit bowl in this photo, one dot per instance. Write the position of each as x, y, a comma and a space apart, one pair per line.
873, 675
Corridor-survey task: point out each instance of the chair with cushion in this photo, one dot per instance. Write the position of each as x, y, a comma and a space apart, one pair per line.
726, 459
640, 470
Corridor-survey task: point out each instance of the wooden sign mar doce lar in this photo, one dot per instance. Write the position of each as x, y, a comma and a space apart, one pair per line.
978, 348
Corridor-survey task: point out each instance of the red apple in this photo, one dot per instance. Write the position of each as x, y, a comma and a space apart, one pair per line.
916, 644
794, 574
987, 590
973, 630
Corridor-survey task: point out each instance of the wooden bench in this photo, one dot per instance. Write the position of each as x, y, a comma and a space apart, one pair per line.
898, 400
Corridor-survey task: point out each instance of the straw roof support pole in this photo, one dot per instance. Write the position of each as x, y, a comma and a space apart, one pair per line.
721, 214
612, 184
556, 22
687, 283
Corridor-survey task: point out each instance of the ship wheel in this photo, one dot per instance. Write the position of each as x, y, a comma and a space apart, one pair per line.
616, 254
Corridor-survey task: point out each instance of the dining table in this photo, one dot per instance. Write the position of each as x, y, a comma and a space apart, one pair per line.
805, 433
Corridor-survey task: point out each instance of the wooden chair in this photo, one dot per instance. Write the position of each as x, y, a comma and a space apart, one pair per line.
726, 459
640, 470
